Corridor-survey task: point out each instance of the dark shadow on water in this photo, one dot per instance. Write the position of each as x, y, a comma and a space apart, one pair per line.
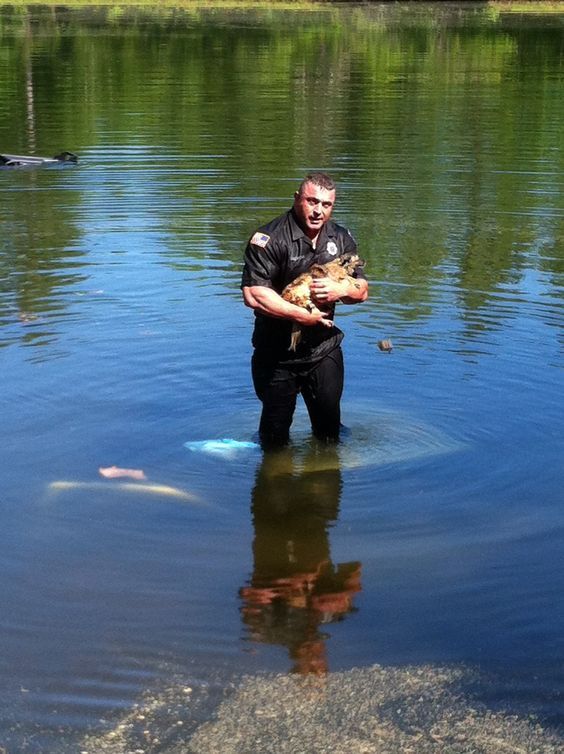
295, 588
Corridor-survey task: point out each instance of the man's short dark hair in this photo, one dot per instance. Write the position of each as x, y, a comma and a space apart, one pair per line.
322, 180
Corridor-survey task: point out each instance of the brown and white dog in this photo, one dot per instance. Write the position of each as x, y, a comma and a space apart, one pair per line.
298, 292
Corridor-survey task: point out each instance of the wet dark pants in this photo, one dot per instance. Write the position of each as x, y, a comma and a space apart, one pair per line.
278, 386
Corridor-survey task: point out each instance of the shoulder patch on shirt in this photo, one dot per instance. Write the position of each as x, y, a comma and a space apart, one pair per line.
260, 239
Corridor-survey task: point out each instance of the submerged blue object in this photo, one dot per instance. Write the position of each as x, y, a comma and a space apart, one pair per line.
225, 448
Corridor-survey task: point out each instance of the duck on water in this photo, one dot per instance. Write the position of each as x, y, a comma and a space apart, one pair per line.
19, 161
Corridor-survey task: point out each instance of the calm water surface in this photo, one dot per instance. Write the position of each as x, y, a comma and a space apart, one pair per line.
434, 534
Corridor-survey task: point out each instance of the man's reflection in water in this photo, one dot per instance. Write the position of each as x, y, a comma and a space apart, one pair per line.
295, 587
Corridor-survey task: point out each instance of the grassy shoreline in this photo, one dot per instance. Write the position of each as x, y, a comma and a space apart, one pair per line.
504, 6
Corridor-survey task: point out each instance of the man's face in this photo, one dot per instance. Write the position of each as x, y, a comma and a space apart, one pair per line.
313, 207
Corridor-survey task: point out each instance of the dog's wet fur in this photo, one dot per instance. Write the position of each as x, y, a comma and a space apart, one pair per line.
298, 292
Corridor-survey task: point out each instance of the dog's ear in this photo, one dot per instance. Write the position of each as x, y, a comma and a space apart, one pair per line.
352, 261
317, 271
347, 259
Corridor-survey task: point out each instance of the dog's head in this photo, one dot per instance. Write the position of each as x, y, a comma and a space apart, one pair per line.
350, 262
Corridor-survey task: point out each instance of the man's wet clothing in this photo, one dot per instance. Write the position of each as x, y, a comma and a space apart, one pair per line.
276, 254
278, 385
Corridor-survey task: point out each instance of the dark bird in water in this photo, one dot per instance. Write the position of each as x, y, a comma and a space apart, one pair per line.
298, 292
19, 160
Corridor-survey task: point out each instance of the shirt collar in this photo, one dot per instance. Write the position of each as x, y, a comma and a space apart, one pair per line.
295, 228
297, 232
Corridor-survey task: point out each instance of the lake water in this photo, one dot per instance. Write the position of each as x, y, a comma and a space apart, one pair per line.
433, 536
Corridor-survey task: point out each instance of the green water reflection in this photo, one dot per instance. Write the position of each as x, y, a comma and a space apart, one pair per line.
443, 126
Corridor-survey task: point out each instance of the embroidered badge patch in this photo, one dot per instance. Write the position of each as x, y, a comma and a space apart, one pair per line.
332, 248
260, 239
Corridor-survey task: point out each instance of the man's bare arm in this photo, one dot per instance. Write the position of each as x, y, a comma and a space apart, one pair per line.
267, 301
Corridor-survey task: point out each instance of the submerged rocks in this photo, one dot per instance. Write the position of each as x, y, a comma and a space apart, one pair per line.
377, 710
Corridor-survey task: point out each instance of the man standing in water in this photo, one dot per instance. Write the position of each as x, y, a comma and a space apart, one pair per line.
276, 254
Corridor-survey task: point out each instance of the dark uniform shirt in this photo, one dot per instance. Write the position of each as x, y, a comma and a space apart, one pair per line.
276, 254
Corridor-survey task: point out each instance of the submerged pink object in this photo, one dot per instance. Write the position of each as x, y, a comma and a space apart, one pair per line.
112, 472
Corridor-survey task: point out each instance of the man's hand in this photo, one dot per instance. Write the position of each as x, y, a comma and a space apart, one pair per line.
327, 291
313, 317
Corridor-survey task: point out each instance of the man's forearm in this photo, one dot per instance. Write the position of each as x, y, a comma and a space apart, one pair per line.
267, 301
356, 291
